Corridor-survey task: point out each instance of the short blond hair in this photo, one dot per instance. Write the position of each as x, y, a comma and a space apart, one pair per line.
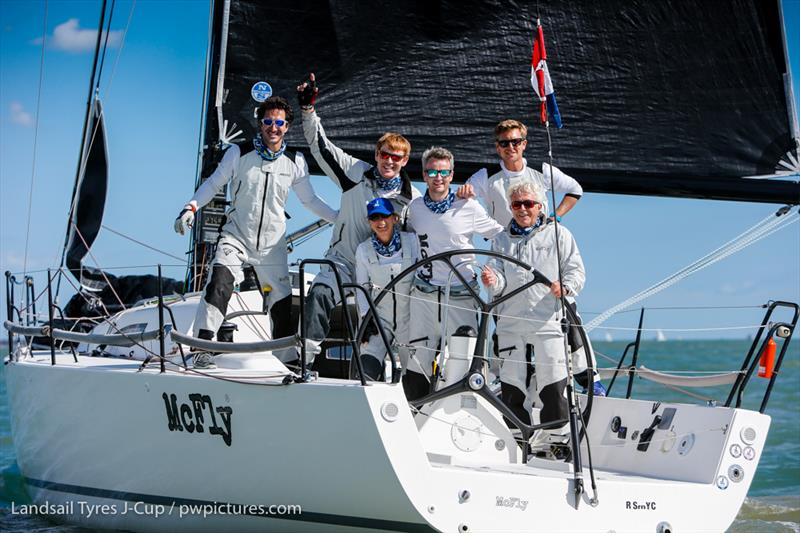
394, 142
508, 125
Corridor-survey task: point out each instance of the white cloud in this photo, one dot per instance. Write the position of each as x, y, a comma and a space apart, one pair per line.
68, 37
19, 115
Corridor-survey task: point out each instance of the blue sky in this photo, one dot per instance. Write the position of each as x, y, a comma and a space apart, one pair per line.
153, 104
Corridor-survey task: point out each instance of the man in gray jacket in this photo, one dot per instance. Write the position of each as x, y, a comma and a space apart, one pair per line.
255, 228
529, 325
360, 182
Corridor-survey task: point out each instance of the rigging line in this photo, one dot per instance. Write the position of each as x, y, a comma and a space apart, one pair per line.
119, 50
141, 243
107, 318
105, 45
614, 328
35, 141
89, 110
105, 277
746, 238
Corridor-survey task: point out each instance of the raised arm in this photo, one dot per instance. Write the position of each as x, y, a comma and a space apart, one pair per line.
344, 169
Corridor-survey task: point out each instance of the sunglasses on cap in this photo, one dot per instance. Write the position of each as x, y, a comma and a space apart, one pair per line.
527, 204
432, 172
506, 142
394, 157
378, 216
269, 122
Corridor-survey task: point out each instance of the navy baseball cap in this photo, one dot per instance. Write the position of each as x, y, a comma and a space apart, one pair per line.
379, 206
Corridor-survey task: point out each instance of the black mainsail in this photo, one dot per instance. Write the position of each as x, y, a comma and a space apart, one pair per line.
671, 98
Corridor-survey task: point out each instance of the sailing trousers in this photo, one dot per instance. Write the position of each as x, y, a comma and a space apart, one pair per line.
425, 332
521, 353
272, 273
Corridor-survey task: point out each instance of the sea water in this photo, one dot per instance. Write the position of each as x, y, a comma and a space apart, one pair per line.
773, 503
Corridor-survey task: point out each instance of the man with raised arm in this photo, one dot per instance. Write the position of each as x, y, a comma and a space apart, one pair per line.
255, 229
442, 223
510, 137
360, 182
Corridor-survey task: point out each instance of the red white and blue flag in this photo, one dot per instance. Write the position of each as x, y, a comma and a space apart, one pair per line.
540, 79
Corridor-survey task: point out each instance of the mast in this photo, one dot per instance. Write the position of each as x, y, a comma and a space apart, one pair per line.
87, 119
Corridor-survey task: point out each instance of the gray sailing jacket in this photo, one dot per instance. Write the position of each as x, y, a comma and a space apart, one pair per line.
357, 181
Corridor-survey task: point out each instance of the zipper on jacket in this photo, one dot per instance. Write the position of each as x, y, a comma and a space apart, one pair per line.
341, 230
263, 206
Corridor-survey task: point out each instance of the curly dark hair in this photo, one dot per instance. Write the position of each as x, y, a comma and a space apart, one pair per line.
275, 102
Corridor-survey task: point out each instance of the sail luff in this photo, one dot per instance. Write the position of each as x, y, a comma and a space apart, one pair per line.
84, 149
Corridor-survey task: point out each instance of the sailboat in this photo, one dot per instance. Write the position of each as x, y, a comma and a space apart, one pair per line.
115, 428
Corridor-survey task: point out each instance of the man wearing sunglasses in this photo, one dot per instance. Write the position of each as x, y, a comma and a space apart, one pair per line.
529, 324
360, 182
260, 176
442, 223
490, 186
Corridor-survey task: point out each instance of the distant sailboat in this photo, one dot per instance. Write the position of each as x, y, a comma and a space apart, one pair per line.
608, 337
660, 337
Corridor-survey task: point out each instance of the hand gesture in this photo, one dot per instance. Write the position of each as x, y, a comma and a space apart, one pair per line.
307, 92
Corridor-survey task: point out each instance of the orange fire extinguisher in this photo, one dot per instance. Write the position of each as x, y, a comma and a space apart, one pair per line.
767, 361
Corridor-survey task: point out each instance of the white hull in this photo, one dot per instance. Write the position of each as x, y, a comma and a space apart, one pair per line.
98, 432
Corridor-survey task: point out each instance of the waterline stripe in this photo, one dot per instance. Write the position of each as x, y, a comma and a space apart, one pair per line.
304, 516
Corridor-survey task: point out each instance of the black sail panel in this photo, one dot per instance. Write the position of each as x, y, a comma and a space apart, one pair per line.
673, 98
86, 214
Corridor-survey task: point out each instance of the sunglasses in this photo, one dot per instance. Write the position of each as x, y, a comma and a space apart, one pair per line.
432, 173
527, 204
394, 157
378, 216
269, 122
506, 142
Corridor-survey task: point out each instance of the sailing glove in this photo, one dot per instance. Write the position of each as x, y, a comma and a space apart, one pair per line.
185, 219
307, 96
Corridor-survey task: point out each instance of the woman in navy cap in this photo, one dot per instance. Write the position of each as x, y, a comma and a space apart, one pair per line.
379, 260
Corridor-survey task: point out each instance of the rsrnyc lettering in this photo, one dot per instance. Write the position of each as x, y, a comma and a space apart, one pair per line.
191, 416
636, 506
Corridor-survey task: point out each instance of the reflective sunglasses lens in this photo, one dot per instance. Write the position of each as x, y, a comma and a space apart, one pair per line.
269, 122
432, 173
519, 204
377, 216
394, 157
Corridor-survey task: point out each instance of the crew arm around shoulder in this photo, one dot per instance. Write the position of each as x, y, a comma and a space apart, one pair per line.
221, 175
482, 223
305, 192
334, 161
480, 183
